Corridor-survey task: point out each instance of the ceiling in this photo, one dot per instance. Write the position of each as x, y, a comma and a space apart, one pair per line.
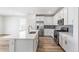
22, 11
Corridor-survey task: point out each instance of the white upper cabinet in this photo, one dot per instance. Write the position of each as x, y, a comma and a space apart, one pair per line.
58, 16
61, 13
65, 16
71, 15
47, 20
55, 20
68, 15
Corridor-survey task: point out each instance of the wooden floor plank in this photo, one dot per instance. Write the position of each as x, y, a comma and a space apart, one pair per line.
47, 44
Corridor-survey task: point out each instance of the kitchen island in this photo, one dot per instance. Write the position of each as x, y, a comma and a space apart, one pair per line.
26, 42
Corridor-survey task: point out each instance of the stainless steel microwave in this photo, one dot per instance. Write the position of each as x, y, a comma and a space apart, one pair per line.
61, 21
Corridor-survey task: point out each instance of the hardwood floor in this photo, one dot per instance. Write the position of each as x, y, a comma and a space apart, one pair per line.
47, 44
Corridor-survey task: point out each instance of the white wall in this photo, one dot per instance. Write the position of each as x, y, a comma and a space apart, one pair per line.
13, 24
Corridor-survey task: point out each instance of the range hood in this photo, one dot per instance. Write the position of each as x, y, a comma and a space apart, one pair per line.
47, 15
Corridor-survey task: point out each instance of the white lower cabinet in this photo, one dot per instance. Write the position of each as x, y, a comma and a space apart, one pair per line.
49, 32
23, 45
52, 33
66, 42
35, 44
26, 45
46, 32
11, 45
60, 41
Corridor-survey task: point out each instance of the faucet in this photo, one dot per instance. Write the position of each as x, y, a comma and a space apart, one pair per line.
29, 28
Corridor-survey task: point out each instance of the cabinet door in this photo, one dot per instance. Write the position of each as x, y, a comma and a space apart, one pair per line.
24, 45
62, 13
71, 15
60, 40
64, 42
11, 45
45, 32
55, 20
58, 15
48, 32
65, 16
70, 44
49, 20
67, 44
35, 43
52, 33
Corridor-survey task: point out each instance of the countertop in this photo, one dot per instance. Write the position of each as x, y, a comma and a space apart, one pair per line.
67, 33
22, 36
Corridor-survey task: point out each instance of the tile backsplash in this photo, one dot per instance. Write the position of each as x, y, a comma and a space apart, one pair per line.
69, 26
58, 27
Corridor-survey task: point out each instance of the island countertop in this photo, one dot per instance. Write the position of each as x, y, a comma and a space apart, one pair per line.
22, 36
